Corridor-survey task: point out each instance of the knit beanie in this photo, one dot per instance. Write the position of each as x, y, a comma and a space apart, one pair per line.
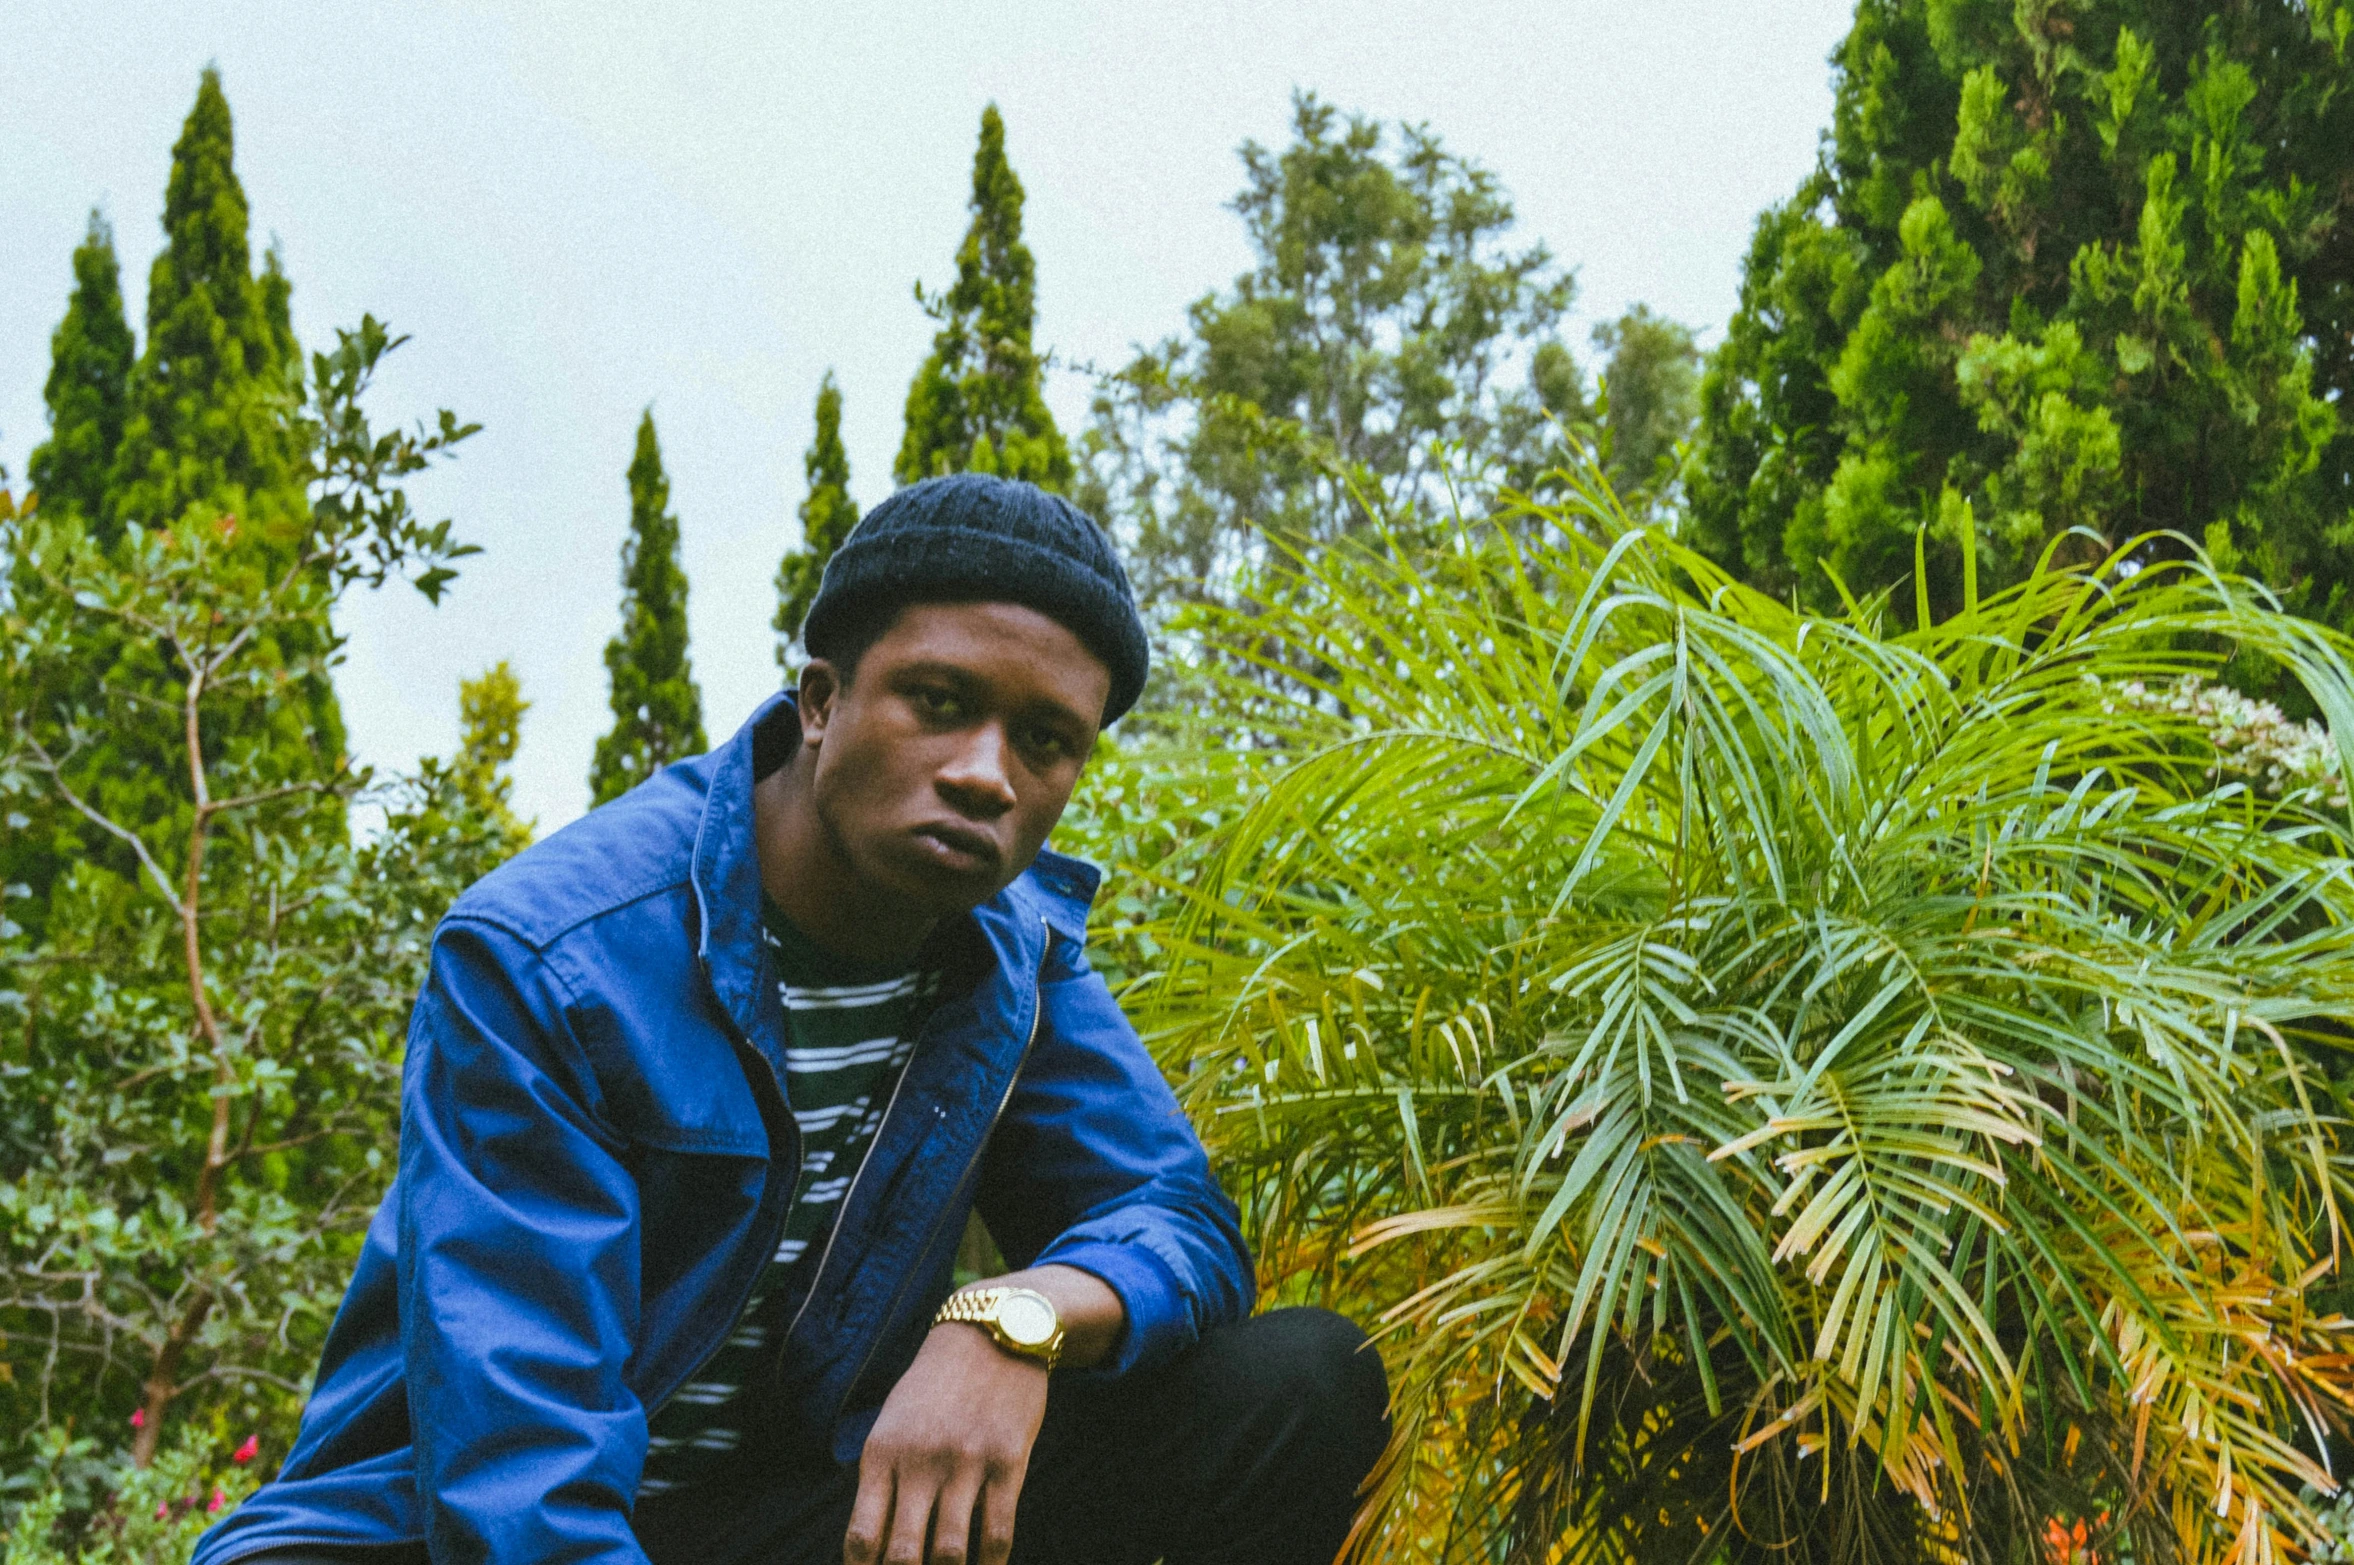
974, 538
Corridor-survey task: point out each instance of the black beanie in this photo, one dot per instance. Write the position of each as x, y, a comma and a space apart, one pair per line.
973, 538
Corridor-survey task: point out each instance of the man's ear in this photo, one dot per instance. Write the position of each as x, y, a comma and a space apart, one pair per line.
820, 685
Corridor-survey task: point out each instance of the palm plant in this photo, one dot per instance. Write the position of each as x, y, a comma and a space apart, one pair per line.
1792, 1088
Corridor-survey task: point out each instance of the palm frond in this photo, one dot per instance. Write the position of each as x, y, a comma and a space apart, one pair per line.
1790, 1087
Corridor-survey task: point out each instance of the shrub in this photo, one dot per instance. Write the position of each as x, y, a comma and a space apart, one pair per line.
1793, 1087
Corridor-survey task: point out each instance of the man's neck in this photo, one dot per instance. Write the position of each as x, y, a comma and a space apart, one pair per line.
810, 879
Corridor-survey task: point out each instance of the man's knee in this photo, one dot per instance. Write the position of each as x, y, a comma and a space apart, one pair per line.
1309, 1363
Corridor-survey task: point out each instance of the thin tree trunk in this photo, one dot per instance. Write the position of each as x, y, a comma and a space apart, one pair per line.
163, 1373
162, 1383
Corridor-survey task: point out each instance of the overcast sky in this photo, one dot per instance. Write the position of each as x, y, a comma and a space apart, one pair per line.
578, 211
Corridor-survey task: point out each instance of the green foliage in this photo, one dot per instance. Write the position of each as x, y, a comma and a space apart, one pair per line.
206, 425
976, 405
90, 360
827, 516
203, 1027
657, 709
490, 720
212, 437
84, 1509
1651, 385
1794, 1088
2064, 267
1383, 319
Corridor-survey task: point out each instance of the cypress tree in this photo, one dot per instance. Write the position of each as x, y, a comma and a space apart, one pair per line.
210, 435
208, 416
827, 516
90, 359
976, 404
657, 711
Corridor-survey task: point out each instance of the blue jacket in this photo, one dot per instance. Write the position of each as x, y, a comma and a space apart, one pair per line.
596, 1157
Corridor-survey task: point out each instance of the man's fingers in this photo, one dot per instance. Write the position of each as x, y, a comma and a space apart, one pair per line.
911, 1517
869, 1514
996, 1530
954, 1520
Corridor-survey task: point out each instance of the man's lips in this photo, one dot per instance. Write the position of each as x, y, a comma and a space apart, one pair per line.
962, 842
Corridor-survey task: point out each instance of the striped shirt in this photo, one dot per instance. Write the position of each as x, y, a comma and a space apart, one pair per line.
850, 1029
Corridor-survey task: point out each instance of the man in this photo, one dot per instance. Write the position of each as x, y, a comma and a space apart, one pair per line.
698, 1097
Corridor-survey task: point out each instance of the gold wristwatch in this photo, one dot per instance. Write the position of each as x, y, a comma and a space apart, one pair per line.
1020, 1320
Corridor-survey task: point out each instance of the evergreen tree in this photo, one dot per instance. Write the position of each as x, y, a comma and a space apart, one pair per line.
1388, 353
657, 711
208, 421
213, 422
827, 516
90, 359
213, 435
976, 404
490, 722
204, 1001
2062, 267
1652, 372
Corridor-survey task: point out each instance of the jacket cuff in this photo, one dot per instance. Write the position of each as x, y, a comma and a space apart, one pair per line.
1158, 1325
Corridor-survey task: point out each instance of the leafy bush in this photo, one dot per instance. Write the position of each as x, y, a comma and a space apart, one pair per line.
201, 1013
85, 1509
1794, 1087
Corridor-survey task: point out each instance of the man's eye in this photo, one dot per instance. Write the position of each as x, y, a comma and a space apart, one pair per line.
936, 703
1046, 742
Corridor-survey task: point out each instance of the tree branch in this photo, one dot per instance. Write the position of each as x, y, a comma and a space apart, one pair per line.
103, 822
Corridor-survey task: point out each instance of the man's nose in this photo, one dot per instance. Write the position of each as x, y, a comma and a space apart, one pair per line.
978, 777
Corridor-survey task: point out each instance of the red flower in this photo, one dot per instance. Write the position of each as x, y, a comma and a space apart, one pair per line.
218, 1500
139, 1419
247, 1451
163, 1511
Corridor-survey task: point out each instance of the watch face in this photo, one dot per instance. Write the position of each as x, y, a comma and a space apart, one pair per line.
1027, 1321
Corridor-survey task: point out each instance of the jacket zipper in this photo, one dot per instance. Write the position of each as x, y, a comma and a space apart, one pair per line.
840, 1216
1037, 1012
730, 1320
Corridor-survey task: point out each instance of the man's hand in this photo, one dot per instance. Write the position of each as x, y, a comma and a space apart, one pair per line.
942, 1470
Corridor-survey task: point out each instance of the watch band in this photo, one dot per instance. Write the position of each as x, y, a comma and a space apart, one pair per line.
983, 1307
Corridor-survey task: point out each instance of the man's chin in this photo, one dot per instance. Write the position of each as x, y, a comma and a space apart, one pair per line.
942, 889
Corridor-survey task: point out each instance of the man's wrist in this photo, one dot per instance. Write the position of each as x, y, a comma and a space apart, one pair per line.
1090, 1312
1021, 1321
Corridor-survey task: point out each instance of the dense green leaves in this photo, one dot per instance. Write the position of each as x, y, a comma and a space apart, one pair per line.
207, 430
828, 513
1651, 384
206, 424
90, 361
1799, 1087
1384, 320
975, 404
2065, 267
657, 709
204, 1022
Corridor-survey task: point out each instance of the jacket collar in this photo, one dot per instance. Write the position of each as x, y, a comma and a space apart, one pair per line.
1053, 893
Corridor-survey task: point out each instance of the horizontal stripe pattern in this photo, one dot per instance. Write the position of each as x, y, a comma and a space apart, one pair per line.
850, 997
801, 1064
848, 1038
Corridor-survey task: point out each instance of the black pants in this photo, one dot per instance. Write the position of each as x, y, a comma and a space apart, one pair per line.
1245, 1451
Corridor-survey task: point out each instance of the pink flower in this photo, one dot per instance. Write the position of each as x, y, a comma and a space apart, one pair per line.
218, 1500
247, 1451
163, 1511
139, 1419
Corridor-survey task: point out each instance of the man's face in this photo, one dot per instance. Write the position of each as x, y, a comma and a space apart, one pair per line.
943, 764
